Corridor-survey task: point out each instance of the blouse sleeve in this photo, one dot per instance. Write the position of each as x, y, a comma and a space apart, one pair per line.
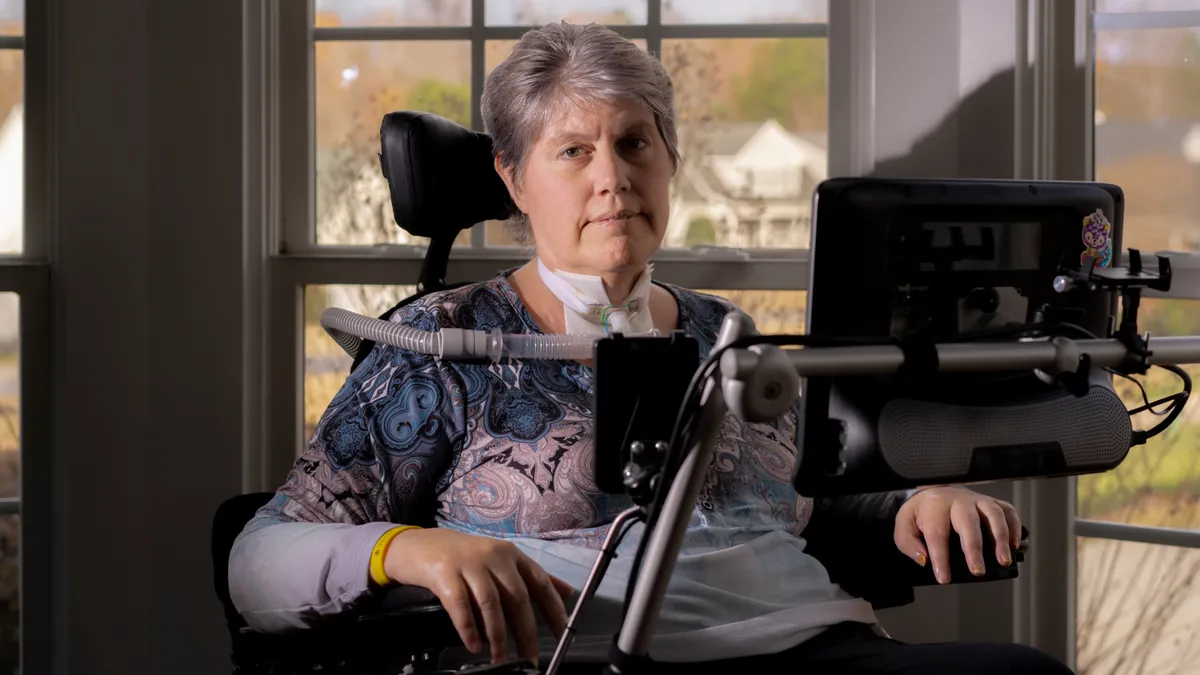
375, 459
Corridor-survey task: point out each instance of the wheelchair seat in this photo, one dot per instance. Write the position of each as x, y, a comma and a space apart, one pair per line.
430, 163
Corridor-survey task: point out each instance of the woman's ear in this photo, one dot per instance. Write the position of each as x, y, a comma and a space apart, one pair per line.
506, 175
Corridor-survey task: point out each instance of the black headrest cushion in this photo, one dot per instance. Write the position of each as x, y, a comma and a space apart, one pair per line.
440, 174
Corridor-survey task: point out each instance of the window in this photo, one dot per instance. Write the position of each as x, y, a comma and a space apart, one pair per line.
752, 123
12, 243
12, 67
751, 96
1147, 88
10, 468
1136, 607
1137, 564
326, 364
778, 312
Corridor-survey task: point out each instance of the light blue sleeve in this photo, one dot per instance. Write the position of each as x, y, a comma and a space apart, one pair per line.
325, 571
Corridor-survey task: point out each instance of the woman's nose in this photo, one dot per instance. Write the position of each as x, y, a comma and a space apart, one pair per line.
610, 173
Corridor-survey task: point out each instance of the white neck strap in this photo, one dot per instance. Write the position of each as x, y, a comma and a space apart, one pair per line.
587, 308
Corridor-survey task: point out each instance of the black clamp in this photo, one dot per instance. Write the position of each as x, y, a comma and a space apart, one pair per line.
1129, 281
920, 360
1137, 352
1077, 382
627, 664
643, 471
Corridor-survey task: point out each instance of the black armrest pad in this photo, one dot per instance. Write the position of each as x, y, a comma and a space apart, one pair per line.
405, 601
853, 538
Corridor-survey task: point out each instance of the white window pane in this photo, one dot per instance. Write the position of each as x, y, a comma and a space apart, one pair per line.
1156, 484
12, 22
752, 135
540, 12
333, 13
12, 154
357, 83
1127, 6
1148, 132
1138, 608
745, 11
327, 365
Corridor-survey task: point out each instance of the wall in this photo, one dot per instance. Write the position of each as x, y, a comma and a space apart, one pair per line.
146, 222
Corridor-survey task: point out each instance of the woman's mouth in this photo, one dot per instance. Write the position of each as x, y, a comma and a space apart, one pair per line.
616, 219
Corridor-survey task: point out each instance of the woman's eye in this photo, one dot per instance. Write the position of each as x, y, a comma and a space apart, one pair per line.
636, 143
572, 153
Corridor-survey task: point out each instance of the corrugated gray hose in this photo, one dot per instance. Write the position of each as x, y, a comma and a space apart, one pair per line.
349, 329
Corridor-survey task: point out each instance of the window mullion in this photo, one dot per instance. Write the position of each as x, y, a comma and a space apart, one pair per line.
654, 27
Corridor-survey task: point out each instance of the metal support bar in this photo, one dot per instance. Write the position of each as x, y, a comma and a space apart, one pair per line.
717, 274
1147, 20
1161, 536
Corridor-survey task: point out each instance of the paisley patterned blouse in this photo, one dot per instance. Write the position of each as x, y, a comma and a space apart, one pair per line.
505, 450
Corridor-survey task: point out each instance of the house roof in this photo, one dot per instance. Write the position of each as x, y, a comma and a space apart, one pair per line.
727, 138
723, 138
696, 181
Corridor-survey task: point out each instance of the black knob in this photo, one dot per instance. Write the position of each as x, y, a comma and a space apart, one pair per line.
986, 300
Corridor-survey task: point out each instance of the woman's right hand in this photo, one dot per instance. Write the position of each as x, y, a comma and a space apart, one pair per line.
468, 572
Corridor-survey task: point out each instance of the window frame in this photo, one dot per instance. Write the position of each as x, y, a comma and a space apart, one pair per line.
296, 39
1185, 268
294, 260
27, 274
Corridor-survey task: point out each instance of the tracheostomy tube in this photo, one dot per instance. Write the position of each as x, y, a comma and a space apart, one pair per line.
349, 329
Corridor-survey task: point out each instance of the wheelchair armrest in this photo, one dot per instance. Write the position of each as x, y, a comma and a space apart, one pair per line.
406, 603
861, 556
403, 625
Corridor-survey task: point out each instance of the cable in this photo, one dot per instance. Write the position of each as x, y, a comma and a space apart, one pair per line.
1147, 406
1140, 437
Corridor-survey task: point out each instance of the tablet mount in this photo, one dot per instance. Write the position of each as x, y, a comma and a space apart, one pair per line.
1129, 282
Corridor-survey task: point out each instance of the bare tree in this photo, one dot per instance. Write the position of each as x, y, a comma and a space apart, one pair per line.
1137, 608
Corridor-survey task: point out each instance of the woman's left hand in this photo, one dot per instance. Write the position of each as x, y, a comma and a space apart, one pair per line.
924, 521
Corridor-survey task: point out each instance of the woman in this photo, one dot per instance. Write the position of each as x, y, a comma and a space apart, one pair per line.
584, 134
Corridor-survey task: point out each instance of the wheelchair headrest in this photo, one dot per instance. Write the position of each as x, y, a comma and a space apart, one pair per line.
441, 175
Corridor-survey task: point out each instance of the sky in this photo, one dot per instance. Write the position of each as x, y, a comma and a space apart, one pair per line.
12, 10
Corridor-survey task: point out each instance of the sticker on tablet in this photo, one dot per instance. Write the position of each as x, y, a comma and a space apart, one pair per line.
1097, 237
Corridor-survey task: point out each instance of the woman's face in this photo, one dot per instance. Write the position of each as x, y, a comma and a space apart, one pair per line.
595, 188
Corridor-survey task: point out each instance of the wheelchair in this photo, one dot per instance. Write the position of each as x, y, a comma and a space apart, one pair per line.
430, 163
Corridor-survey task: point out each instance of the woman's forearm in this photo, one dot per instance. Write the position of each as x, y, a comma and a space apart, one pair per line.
288, 575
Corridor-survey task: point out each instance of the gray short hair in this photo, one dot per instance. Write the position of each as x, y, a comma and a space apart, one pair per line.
581, 63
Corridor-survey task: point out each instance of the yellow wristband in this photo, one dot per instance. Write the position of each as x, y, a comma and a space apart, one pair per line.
379, 553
